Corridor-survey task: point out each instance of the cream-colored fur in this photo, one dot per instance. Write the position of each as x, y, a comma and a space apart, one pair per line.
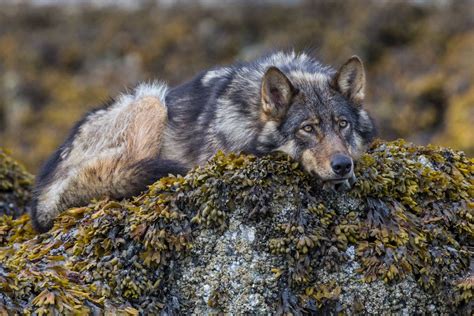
100, 161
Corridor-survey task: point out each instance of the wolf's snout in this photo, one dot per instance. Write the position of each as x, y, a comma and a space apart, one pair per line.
341, 165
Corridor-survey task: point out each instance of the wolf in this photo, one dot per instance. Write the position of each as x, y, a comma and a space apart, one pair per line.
285, 102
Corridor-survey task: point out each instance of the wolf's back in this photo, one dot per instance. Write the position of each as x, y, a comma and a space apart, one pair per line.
119, 150
111, 152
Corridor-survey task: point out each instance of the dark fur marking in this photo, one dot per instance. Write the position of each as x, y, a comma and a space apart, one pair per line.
150, 170
154, 169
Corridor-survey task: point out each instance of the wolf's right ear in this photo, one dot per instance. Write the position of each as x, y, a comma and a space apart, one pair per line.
277, 92
350, 80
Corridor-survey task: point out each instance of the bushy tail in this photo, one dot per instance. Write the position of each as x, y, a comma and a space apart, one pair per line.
112, 152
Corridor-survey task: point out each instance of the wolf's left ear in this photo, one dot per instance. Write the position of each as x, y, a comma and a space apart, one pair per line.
350, 80
277, 92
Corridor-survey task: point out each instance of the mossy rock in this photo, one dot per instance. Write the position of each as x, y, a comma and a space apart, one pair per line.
256, 235
15, 186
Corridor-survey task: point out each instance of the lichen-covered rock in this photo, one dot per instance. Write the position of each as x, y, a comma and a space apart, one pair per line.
256, 235
15, 186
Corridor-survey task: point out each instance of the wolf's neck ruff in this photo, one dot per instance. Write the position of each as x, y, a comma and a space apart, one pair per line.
283, 102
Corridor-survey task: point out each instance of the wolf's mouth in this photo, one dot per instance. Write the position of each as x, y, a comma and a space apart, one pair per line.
339, 185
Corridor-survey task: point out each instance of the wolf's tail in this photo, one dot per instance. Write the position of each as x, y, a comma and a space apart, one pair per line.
112, 152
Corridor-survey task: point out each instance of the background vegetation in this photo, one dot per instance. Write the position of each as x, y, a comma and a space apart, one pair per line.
58, 62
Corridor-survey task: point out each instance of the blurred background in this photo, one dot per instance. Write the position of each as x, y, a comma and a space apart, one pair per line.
60, 58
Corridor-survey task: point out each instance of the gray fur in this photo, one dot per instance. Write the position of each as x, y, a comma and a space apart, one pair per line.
255, 107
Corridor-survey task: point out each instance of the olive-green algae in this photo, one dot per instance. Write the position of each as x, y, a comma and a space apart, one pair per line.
15, 186
246, 234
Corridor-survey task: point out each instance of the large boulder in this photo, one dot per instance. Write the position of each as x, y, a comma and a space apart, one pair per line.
257, 235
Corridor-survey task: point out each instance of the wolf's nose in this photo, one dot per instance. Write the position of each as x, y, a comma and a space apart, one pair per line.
341, 164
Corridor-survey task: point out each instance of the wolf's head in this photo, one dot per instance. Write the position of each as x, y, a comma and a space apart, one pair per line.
319, 118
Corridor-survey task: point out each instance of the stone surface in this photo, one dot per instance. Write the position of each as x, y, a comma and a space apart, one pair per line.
257, 236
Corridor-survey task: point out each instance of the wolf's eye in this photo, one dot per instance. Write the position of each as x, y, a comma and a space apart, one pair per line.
308, 128
343, 123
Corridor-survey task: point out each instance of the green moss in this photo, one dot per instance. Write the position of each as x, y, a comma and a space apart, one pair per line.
409, 216
465, 291
419, 220
15, 186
